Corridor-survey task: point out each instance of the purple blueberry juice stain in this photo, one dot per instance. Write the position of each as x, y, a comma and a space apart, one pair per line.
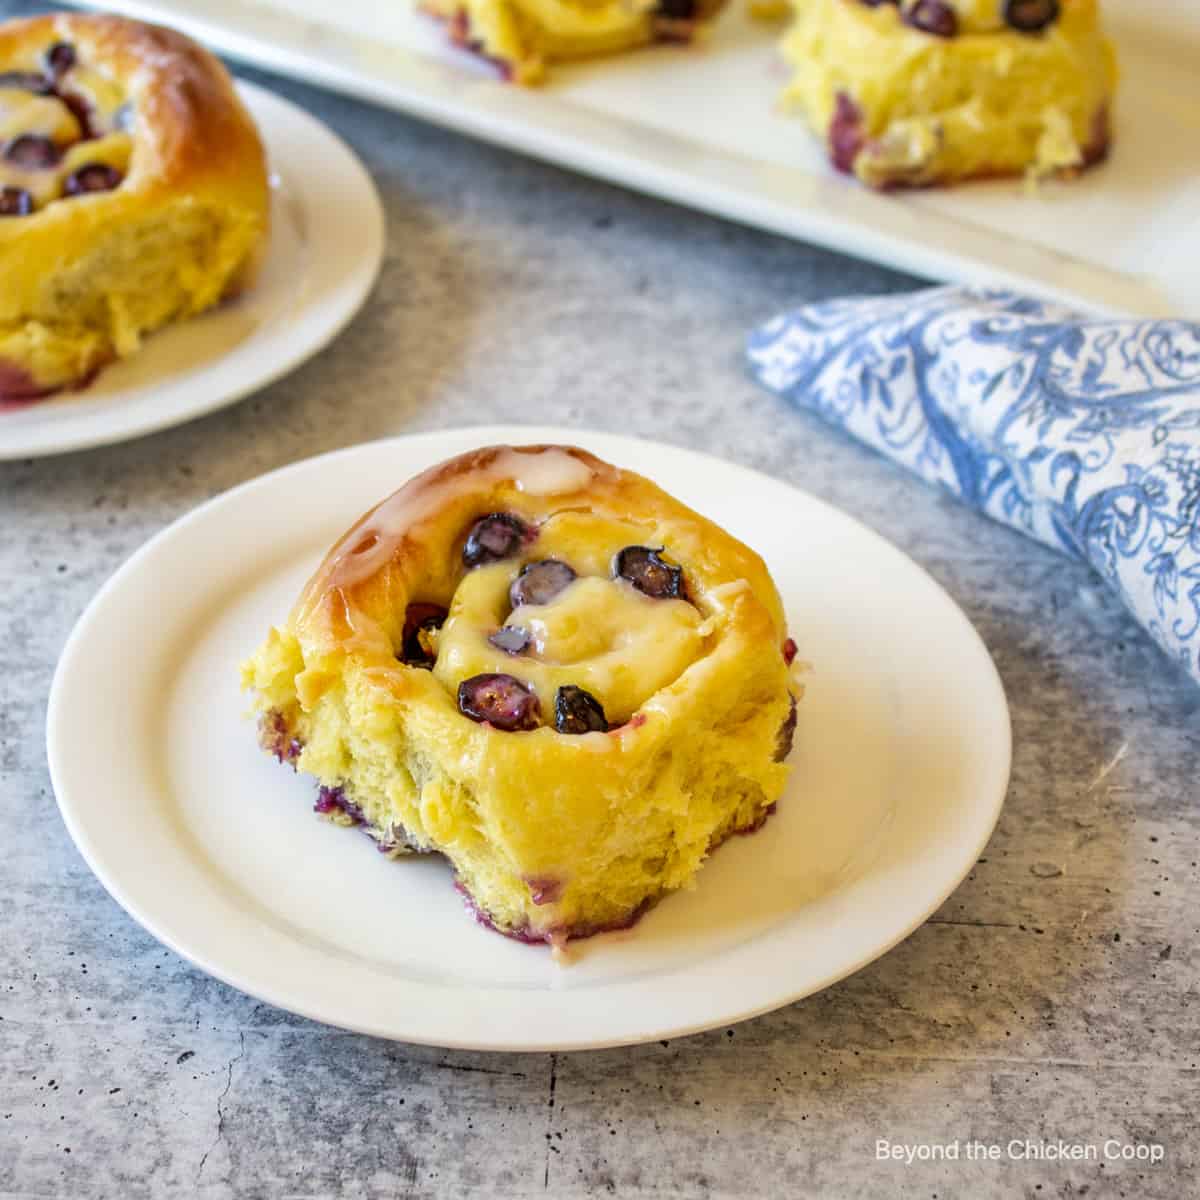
555, 935
846, 136
652, 575
494, 538
540, 582
333, 800
499, 700
512, 639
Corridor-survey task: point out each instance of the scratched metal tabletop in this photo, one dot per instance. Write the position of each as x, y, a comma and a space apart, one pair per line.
1053, 1001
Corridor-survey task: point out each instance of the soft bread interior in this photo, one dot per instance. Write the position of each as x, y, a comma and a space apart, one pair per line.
134, 277
575, 836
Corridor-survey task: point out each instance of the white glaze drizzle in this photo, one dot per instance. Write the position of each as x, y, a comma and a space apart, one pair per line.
372, 542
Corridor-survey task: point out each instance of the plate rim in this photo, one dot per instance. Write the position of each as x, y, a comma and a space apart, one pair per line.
57, 741
284, 354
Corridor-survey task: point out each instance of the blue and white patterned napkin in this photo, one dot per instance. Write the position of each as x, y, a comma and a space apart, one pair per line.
1082, 433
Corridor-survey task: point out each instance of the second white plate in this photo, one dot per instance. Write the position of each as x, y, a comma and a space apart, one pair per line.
901, 766
327, 239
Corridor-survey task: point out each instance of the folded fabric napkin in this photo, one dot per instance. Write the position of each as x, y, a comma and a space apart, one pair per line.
1082, 433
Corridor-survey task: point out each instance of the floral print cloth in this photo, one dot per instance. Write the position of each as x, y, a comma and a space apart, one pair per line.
1083, 433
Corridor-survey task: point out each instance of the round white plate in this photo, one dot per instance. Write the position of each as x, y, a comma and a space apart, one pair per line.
901, 765
326, 246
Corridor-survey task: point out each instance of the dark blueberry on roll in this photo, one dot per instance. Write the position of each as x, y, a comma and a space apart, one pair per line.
92, 177
787, 731
1031, 16
26, 81
60, 58
15, 202
846, 138
499, 700
493, 538
512, 639
32, 151
540, 582
676, 10
577, 711
420, 620
643, 567
933, 16
81, 110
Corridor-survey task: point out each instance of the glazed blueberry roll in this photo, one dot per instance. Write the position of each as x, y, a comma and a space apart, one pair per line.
913, 93
547, 670
133, 192
523, 36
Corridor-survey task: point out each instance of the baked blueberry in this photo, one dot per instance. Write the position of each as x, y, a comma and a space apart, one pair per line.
933, 16
1030, 16
846, 137
648, 572
15, 202
60, 58
677, 10
512, 639
32, 151
577, 711
499, 700
493, 538
420, 620
540, 582
92, 177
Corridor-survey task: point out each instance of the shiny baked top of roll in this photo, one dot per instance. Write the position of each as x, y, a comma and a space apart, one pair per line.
539, 586
93, 104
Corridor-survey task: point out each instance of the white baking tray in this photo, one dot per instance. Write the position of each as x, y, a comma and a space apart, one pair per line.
700, 126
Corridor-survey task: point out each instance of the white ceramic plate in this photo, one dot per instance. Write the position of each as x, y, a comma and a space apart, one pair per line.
701, 126
325, 250
901, 765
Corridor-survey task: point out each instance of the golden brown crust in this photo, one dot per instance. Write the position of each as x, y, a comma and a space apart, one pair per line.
192, 133
408, 548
